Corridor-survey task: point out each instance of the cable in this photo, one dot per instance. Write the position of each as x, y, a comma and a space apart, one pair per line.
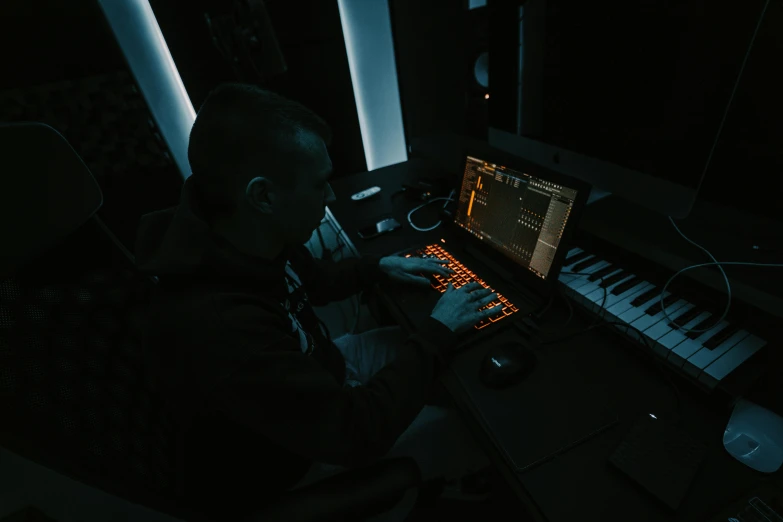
716, 263
449, 198
726, 279
570, 306
704, 171
659, 364
559, 327
539, 315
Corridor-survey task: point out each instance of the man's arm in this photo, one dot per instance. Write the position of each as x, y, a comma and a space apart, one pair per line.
327, 281
290, 398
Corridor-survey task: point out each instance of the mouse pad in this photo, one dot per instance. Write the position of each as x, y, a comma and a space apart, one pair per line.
554, 409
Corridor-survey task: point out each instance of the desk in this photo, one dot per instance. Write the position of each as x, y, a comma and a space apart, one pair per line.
578, 484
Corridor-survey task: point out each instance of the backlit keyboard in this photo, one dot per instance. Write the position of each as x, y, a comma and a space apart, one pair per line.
462, 276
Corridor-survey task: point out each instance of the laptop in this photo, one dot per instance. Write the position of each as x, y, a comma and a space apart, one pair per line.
508, 229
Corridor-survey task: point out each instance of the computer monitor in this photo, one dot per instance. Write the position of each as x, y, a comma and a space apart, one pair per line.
628, 95
518, 214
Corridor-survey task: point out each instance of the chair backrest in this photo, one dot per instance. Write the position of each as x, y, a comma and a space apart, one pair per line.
38, 209
75, 392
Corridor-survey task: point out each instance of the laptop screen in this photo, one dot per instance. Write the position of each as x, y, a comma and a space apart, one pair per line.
518, 214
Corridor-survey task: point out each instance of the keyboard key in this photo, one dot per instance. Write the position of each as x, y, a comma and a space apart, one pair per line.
622, 288
656, 306
589, 287
685, 318
461, 277
598, 274
576, 258
645, 321
704, 357
675, 337
728, 362
680, 353
721, 336
615, 278
597, 297
703, 325
580, 267
625, 304
648, 295
662, 327
581, 279
635, 312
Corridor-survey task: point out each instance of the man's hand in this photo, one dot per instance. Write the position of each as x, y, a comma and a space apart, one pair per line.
407, 269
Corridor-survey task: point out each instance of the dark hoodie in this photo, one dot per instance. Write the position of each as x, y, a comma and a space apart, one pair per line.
253, 376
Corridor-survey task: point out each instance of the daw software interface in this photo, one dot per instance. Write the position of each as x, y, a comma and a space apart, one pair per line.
516, 213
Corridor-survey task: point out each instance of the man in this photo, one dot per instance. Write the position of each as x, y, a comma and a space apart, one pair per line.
266, 400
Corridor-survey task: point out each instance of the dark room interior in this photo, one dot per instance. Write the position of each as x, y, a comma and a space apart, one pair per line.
391, 260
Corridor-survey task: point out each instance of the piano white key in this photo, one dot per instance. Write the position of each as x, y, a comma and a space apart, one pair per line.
574, 251
728, 362
625, 304
688, 347
578, 280
596, 300
646, 321
636, 312
592, 286
565, 277
704, 357
582, 279
662, 328
675, 337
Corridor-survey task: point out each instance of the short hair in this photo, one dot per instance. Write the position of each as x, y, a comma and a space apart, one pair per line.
238, 125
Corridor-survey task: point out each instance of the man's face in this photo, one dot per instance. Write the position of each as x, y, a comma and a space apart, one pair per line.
296, 212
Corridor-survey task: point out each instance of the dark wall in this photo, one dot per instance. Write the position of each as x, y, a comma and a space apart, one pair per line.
311, 39
431, 46
63, 67
746, 171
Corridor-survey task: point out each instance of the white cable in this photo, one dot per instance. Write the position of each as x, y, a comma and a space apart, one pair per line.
706, 166
717, 263
436, 225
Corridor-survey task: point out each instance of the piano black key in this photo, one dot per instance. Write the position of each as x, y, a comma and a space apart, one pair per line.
707, 321
575, 258
609, 281
656, 306
721, 336
598, 274
649, 294
685, 318
584, 264
624, 287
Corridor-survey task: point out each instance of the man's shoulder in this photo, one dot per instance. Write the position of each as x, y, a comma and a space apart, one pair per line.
202, 305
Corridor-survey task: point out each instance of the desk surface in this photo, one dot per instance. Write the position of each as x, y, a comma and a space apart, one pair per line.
577, 484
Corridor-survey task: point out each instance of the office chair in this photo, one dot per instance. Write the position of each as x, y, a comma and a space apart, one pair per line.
75, 393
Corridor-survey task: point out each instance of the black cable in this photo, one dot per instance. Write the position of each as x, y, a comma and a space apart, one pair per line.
571, 307
601, 321
664, 370
559, 327
539, 315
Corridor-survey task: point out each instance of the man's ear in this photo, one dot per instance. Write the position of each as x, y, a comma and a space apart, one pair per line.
260, 195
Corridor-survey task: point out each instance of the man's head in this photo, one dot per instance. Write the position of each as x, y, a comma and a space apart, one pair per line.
260, 166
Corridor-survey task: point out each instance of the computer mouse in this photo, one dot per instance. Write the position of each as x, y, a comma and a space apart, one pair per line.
506, 364
754, 436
